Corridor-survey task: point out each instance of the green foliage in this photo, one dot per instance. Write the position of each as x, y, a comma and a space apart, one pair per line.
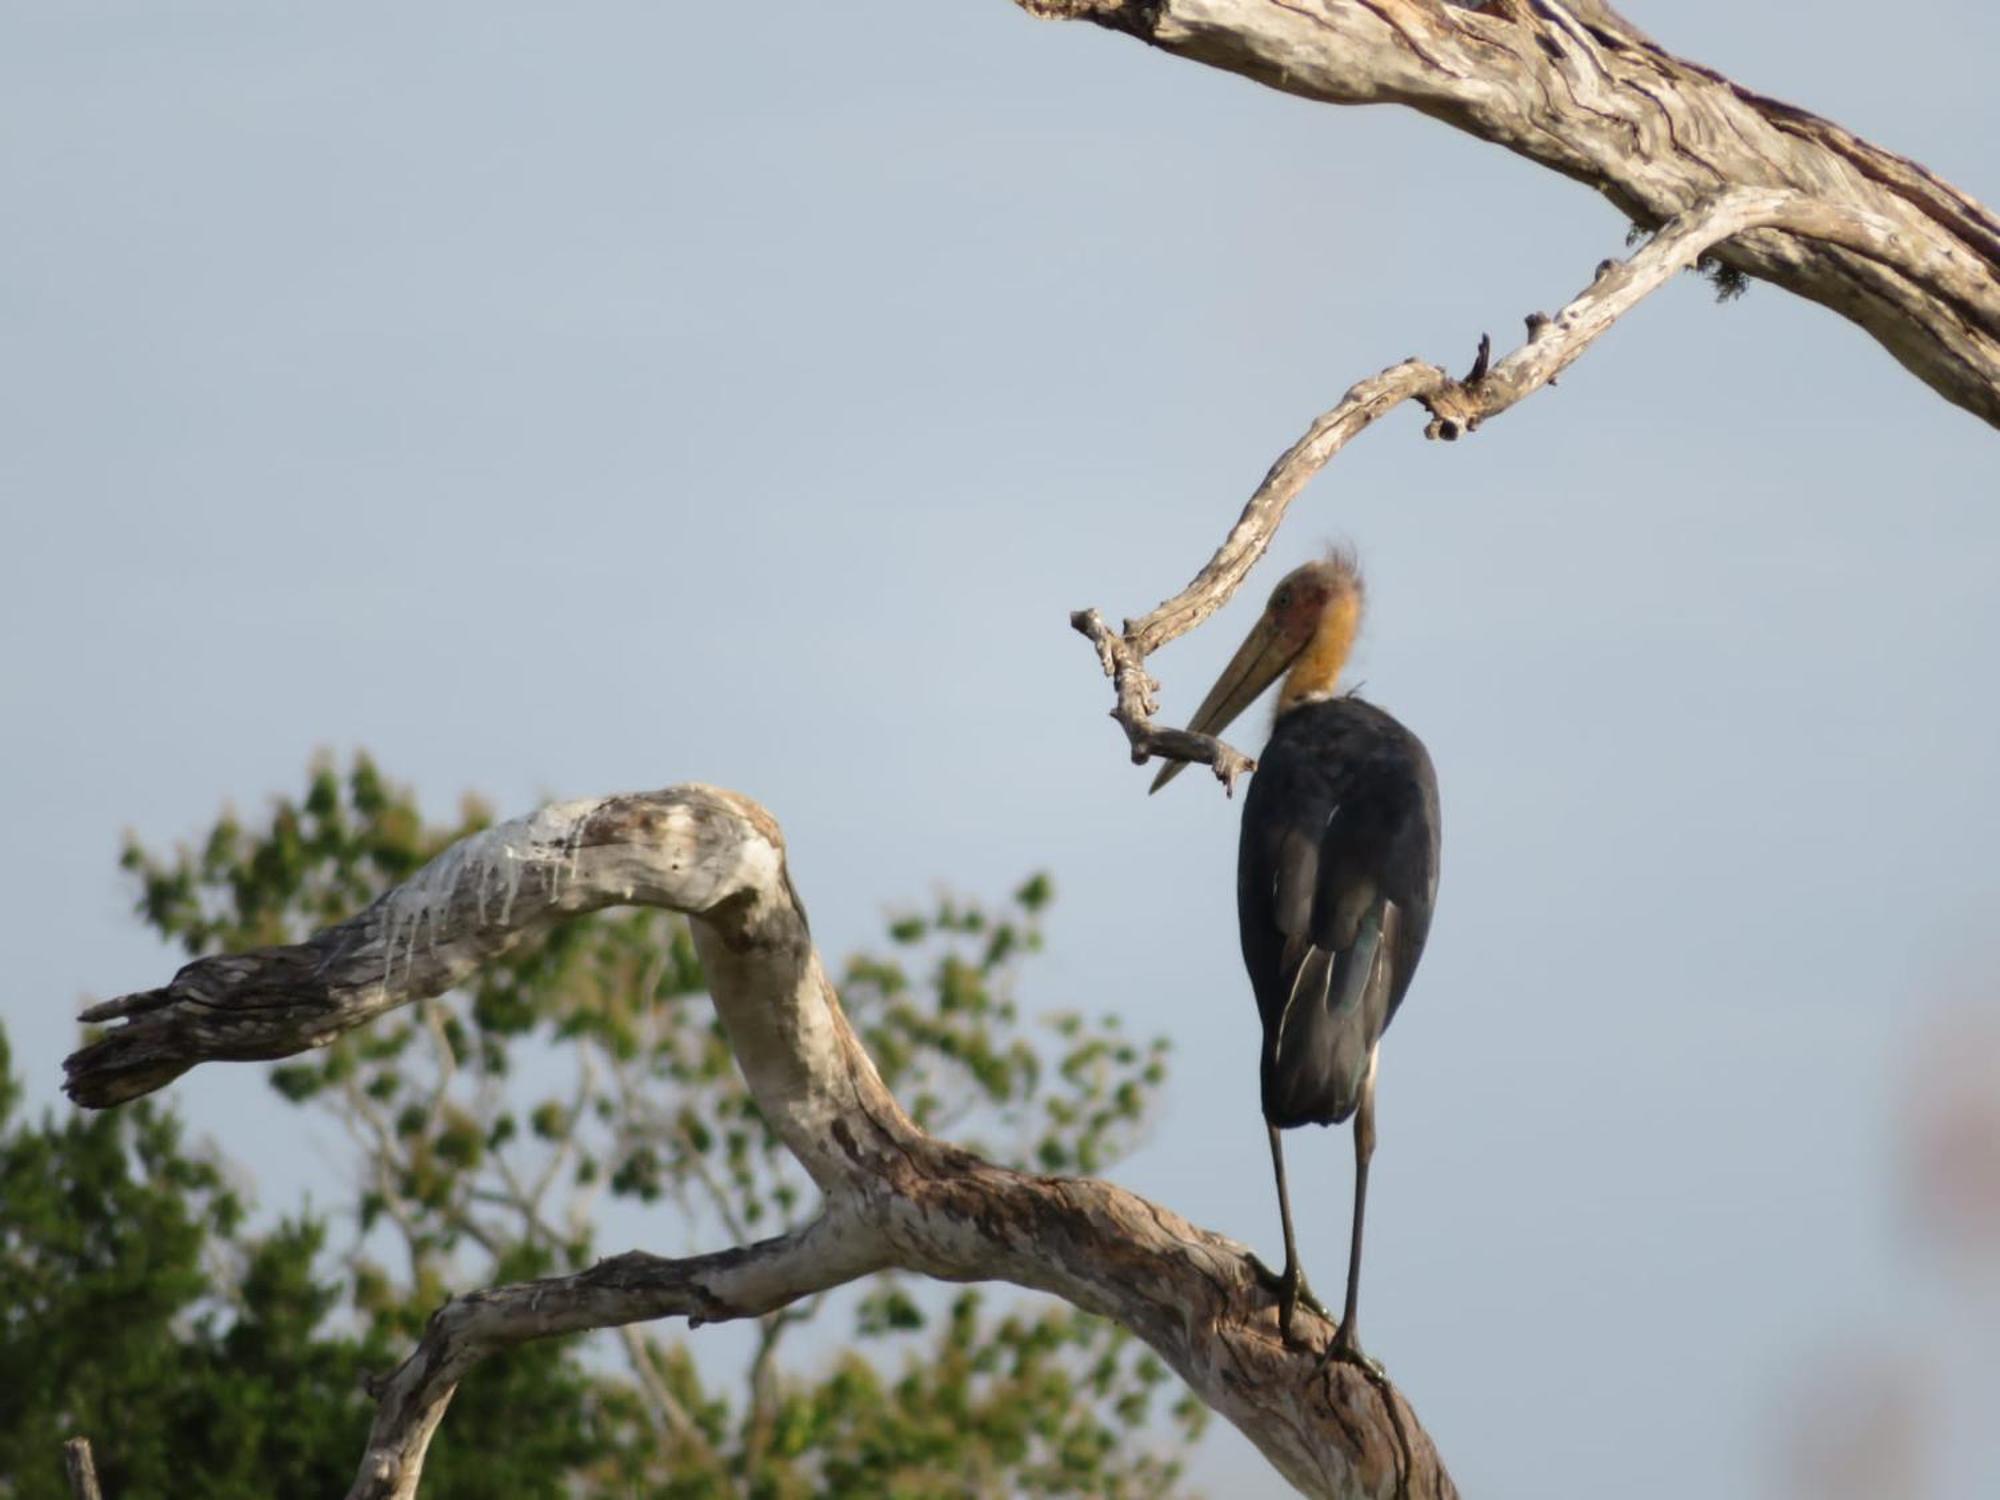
1016, 1405
135, 1308
1072, 1098
1729, 283
487, 1125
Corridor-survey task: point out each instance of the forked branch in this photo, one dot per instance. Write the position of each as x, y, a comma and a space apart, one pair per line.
892, 1195
1456, 407
631, 1288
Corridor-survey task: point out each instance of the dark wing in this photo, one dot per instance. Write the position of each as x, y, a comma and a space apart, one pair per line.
1336, 875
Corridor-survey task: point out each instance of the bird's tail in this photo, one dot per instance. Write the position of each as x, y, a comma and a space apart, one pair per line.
1318, 1054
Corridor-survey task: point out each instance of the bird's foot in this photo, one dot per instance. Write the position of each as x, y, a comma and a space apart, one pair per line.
1289, 1287
1343, 1349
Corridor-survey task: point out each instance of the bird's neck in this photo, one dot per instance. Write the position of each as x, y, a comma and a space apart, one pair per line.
1316, 673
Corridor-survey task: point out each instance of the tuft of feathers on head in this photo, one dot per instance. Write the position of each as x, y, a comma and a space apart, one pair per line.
1317, 610
1345, 565
1336, 574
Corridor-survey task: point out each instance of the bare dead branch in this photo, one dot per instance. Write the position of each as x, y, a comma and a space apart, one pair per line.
631, 1288
1136, 706
893, 1196
285, 1000
1456, 407
1577, 88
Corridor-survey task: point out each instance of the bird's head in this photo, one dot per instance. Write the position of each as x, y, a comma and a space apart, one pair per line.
1305, 632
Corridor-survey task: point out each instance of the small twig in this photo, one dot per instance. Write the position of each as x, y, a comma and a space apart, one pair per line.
1136, 706
432, 1016
746, 1282
669, 1416
82, 1469
1484, 358
763, 1383
668, 1413
586, 1086
385, 1156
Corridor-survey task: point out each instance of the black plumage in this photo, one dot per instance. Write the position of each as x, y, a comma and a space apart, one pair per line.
1336, 876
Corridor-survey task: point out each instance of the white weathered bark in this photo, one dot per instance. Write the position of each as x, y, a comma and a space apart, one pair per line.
834, 1249
1579, 89
892, 1195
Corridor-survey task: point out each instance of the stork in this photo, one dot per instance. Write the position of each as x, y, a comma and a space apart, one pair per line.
1336, 874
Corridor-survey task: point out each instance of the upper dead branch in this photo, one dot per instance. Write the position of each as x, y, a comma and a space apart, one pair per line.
1576, 87
892, 1195
1456, 407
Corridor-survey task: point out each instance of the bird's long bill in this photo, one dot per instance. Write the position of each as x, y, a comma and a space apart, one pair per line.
1256, 664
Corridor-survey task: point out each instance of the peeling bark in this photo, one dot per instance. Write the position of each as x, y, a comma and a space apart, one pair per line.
1572, 85
892, 1195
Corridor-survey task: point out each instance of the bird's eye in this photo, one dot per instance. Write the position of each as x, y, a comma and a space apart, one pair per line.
1282, 599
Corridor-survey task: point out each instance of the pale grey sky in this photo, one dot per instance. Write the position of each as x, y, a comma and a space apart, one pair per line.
557, 400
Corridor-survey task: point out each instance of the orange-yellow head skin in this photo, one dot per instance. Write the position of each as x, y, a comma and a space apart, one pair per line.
1305, 632
1319, 605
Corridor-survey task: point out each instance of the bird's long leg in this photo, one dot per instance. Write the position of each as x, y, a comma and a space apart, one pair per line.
1364, 1147
1291, 1282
